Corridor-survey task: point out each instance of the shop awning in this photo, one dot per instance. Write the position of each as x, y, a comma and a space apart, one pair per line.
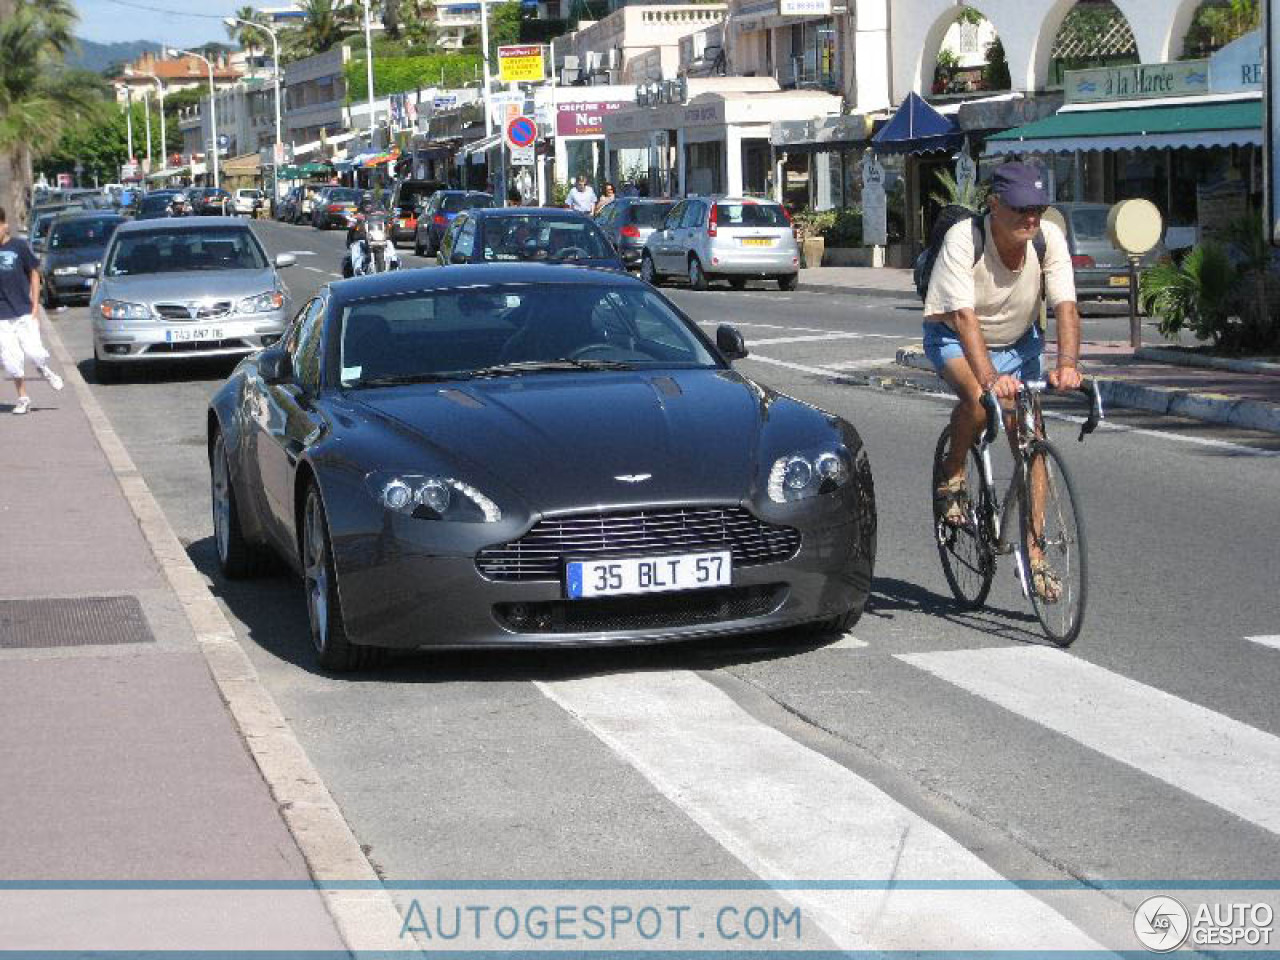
305, 170
1233, 123
917, 128
247, 164
483, 145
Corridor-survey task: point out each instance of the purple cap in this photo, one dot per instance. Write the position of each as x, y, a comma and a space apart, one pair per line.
1019, 185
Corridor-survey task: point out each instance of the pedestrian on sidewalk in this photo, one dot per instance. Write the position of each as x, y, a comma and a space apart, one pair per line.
19, 331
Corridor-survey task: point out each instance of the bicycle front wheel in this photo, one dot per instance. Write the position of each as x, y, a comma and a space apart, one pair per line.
1053, 545
967, 558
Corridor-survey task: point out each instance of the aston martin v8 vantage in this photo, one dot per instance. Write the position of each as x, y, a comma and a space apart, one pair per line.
511, 455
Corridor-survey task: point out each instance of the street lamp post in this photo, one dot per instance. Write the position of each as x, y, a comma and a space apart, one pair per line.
128, 119
278, 154
484, 58
146, 110
368, 64
213, 111
164, 149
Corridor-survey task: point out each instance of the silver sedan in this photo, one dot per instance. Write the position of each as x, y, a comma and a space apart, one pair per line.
185, 288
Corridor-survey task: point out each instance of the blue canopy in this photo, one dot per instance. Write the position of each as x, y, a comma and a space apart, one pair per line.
917, 128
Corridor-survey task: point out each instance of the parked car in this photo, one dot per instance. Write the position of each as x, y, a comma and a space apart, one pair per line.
155, 204
185, 288
76, 239
438, 213
295, 207
38, 234
1101, 270
530, 234
628, 221
305, 202
246, 201
336, 207
210, 202
479, 457
737, 238
407, 197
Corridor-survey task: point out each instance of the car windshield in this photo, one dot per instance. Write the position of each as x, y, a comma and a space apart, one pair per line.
342, 196
154, 204
89, 232
412, 194
536, 237
457, 202
514, 330
1089, 224
177, 251
251, 194
650, 214
43, 223
750, 215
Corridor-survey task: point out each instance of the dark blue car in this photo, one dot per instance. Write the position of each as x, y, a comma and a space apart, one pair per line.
528, 235
439, 212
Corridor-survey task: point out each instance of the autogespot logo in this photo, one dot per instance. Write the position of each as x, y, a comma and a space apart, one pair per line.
1161, 924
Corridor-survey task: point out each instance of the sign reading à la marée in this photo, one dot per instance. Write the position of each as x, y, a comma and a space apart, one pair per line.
1138, 81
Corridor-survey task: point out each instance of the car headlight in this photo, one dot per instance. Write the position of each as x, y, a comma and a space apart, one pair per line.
262, 303
122, 310
431, 497
809, 473
65, 271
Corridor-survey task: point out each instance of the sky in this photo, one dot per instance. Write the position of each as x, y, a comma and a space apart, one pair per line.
183, 23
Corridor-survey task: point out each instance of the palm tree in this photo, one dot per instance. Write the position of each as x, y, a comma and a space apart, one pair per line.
323, 25
37, 98
244, 33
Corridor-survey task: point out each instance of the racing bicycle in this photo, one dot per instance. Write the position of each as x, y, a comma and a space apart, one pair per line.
1048, 545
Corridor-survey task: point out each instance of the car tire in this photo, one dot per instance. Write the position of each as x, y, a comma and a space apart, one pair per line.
50, 298
836, 625
238, 559
648, 273
788, 281
418, 249
738, 283
697, 277
324, 604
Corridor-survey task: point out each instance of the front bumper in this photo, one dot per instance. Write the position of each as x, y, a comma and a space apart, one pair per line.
397, 595
132, 342
70, 286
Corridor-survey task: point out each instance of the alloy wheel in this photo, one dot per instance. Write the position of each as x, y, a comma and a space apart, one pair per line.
315, 565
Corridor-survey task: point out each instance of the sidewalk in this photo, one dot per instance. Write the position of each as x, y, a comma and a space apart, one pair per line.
155, 798
1240, 393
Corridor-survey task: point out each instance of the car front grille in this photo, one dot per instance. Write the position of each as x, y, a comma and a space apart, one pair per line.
652, 612
195, 346
541, 553
193, 311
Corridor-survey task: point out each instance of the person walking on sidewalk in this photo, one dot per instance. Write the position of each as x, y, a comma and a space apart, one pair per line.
982, 320
582, 197
19, 331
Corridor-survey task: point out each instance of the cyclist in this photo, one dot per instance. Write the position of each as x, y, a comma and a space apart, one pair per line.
982, 330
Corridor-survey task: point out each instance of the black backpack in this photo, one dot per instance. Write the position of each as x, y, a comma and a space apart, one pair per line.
950, 215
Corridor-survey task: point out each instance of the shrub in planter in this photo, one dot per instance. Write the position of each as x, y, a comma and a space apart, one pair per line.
1195, 295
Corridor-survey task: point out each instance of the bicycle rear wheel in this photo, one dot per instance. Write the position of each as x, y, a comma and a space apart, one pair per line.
967, 558
1057, 539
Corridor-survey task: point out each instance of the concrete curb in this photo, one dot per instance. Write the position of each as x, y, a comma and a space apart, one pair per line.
366, 919
807, 287
1210, 407
1183, 359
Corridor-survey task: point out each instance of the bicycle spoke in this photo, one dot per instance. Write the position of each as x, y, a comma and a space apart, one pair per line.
1053, 541
967, 560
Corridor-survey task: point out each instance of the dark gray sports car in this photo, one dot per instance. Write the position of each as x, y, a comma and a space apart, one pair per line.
531, 454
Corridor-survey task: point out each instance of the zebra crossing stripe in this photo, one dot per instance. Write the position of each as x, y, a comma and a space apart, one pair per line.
1222, 761
791, 814
1267, 641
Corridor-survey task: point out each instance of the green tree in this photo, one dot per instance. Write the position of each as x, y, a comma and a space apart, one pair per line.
995, 75
38, 97
324, 24
1217, 23
242, 31
504, 27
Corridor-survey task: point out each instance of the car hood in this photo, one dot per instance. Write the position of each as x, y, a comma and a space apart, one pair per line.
196, 284
563, 440
75, 255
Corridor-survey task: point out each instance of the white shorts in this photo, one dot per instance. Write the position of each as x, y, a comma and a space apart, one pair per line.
19, 342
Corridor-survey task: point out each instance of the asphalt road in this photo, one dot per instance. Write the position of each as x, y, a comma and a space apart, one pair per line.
926, 743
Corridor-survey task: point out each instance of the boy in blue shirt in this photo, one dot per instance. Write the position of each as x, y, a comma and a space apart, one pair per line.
19, 332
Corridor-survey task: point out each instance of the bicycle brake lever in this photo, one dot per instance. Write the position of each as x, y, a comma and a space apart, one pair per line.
1090, 424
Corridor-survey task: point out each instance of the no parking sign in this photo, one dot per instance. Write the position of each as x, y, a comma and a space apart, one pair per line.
521, 132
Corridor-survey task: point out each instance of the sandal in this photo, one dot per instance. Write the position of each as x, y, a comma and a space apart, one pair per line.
1046, 583
951, 501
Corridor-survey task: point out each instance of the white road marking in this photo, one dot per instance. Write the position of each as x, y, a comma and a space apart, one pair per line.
313, 269
848, 642
791, 814
806, 339
302, 253
803, 368
1272, 640
336, 276
773, 326
1222, 761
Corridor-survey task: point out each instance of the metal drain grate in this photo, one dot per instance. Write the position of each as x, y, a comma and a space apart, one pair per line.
74, 622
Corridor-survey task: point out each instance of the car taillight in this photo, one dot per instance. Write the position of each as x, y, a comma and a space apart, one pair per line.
439, 220
795, 231
335, 208
1082, 261
711, 221
631, 230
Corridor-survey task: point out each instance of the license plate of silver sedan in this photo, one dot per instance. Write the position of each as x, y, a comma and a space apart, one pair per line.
521, 455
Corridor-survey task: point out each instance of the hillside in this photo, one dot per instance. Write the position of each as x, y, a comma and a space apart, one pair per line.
98, 56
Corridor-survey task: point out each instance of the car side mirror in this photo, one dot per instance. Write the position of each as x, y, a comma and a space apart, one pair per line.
285, 260
275, 366
88, 270
729, 342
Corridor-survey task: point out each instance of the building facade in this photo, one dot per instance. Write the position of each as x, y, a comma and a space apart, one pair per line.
315, 91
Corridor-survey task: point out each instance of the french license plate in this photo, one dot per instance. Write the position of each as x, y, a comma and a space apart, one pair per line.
193, 333
1120, 281
757, 241
631, 575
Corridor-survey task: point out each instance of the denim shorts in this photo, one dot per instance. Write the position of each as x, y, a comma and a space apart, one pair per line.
1022, 359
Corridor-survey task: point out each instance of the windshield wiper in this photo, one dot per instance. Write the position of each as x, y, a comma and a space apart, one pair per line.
403, 378
540, 366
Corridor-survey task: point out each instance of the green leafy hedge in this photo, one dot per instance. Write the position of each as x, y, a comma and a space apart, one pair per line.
409, 73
